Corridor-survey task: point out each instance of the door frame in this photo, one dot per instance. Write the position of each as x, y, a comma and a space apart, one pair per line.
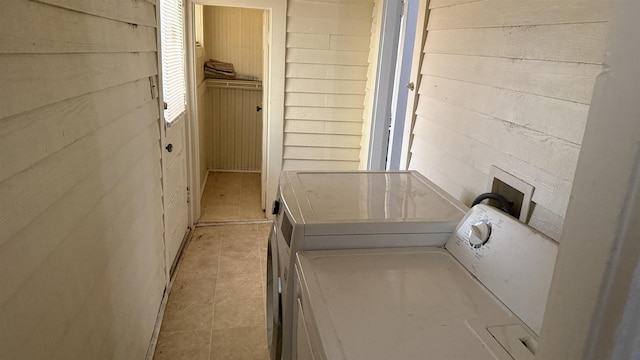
408, 30
383, 89
157, 84
415, 78
273, 96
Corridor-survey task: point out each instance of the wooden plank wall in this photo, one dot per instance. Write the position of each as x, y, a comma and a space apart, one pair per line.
234, 35
326, 73
236, 127
508, 83
81, 245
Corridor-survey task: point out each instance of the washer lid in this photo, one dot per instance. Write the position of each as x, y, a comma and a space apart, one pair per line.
364, 197
399, 304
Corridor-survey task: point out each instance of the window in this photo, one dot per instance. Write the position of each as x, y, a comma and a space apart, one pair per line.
173, 74
199, 26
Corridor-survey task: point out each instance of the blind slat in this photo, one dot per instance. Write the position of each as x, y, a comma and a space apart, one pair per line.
173, 73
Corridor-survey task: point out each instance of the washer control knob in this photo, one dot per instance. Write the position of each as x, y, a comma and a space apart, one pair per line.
479, 234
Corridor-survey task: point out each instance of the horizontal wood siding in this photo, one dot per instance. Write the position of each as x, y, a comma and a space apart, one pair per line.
508, 83
326, 74
234, 35
81, 246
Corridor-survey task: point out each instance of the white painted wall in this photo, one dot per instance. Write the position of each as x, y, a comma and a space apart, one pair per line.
81, 246
327, 59
508, 83
234, 35
592, 311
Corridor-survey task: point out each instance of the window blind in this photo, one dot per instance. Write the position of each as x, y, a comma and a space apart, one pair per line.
172, 42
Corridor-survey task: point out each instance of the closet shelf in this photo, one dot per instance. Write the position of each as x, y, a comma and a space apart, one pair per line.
234, 84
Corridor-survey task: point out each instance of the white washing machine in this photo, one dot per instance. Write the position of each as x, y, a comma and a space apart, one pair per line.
481, 296
347, 210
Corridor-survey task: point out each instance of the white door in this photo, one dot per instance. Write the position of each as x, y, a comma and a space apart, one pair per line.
175, 188
174, 155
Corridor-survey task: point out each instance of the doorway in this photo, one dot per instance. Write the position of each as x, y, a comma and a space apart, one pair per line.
230, 57
268, 112
391, 93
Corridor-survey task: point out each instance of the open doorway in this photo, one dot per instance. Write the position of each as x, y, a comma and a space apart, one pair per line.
239, 125
229, 70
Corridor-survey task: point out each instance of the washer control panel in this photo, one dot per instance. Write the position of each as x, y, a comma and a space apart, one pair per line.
512, 260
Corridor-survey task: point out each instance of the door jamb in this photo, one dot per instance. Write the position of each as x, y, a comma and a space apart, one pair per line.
383, 91
192, 138
415, 78
162, 126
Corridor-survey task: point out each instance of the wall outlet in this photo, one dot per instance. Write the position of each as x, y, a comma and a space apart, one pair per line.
516, 191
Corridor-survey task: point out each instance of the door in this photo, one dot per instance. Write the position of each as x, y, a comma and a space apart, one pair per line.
402, 83
174, 123
175, 188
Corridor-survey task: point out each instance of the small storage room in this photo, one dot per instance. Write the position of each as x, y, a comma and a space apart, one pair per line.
229, 73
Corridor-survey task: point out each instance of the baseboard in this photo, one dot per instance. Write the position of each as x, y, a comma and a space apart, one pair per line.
204, 184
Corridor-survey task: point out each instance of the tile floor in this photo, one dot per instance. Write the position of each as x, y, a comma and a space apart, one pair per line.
216, 308
231, 197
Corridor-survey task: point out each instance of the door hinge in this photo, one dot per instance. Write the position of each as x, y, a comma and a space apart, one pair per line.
188, 194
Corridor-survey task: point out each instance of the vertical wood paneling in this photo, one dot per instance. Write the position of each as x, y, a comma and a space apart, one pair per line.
236, 129
327, 60
234, 35
508, 83
81, 246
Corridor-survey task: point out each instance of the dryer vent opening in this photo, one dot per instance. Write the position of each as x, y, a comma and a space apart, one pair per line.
517, 192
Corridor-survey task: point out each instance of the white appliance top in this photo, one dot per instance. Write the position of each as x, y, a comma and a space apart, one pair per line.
473, 300
399, 304
360, 197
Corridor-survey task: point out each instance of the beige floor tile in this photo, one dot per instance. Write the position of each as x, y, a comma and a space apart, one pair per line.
218, 293
193, 290
238, 286
230, 266
246, 343
238, 312
202, 255
198, 267
187, 316
188, 345
232, 197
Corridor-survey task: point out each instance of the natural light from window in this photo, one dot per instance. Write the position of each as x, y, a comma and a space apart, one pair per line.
173, 74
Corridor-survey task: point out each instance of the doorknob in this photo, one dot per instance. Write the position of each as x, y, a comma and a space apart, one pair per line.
169, 147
